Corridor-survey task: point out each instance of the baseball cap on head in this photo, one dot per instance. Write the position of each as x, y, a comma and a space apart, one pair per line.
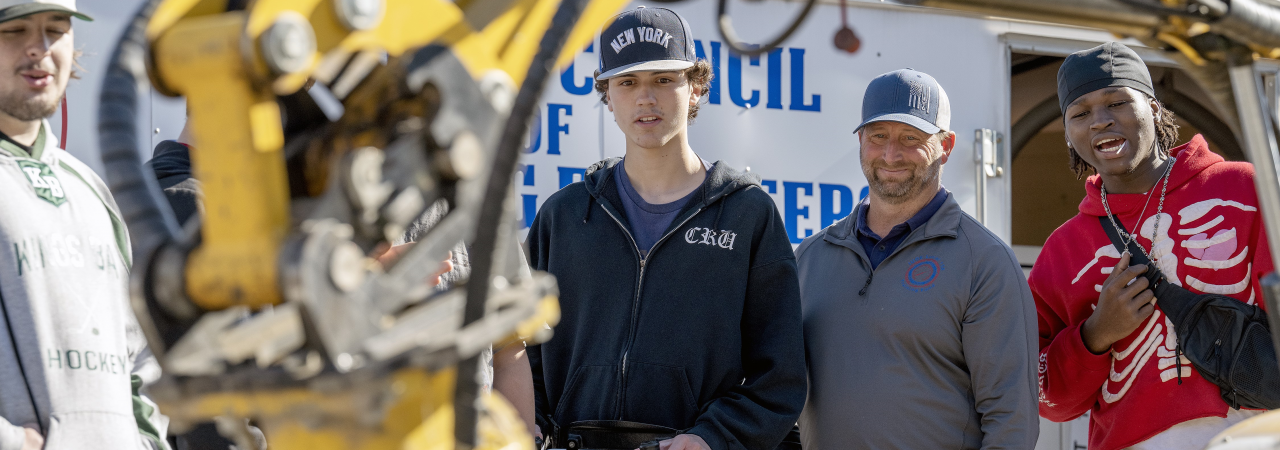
907, 96
13, 9
645, 40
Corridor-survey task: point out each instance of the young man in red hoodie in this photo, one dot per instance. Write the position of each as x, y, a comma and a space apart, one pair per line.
1105, 345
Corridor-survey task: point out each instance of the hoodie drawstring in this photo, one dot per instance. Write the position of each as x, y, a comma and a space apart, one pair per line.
587, 217
716, 225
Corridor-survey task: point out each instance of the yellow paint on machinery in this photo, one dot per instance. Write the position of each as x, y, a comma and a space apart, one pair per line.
416, 412
237, 159
214, 59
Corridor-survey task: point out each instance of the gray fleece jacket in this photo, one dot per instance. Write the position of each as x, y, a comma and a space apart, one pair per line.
933, 349
72, 358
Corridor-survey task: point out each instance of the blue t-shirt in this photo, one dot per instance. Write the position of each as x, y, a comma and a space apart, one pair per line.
878, 248
648, 221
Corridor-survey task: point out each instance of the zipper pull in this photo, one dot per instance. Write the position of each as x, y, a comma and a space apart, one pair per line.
1177, 359
866, 285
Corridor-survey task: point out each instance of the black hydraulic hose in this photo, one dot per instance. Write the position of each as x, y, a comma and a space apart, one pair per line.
1247, 21
133, 186
737, 46
489, 223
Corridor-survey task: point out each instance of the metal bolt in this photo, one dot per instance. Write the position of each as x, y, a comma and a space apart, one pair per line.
347, 267
359, 15
344, 361
289, 44
465, 158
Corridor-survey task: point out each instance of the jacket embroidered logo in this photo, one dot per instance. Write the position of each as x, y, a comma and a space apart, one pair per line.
723, 238
44, 182
1209, 249
921, 273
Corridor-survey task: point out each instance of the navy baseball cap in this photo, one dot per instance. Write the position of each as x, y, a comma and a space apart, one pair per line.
908, 96
645, 40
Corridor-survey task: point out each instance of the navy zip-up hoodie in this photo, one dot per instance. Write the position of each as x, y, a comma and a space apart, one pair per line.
703, 336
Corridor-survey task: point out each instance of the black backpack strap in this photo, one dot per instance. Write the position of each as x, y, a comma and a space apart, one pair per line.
1135, 254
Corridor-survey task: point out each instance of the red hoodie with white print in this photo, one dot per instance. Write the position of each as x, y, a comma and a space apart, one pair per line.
1210, 239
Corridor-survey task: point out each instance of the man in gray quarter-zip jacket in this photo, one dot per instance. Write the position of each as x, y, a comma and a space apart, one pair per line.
680, 305
72, 358
919, 327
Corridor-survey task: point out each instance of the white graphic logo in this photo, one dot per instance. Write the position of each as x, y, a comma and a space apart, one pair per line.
1212, 245
707, 236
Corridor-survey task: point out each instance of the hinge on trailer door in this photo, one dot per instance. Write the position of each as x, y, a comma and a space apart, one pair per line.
988, 152
988, 155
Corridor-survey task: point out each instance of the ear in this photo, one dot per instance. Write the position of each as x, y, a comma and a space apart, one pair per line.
948, 144
695, 94
607, 103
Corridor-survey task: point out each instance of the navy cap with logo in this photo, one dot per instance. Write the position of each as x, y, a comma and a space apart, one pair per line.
645, 40
907, 96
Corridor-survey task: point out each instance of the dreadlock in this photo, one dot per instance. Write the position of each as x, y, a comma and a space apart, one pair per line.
1166, 139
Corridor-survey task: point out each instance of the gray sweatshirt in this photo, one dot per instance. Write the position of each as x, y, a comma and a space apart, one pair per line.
933, 349
68, 339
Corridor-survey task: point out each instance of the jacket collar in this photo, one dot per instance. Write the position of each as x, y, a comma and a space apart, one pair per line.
721, 181
43, 140
944, 223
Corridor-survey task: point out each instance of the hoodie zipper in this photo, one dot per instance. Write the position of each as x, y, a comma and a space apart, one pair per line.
635, 301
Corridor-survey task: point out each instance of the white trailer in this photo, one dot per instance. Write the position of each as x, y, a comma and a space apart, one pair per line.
789, 115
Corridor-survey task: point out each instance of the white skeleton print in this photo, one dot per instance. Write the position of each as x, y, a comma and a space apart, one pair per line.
1209, 249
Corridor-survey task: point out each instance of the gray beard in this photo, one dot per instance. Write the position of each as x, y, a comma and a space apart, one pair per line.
27, 109
900, 192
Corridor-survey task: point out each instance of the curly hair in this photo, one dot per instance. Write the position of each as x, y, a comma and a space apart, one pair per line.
699, 77
1166, 140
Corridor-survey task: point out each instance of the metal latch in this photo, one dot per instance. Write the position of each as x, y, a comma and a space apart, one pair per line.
988, 156
987, 145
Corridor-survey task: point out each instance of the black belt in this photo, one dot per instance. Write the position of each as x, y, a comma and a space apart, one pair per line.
613, 435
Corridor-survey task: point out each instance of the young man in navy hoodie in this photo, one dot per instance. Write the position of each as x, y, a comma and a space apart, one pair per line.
680, 304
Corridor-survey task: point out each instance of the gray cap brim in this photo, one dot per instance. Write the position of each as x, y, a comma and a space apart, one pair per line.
667, 65
920, 124
17, 11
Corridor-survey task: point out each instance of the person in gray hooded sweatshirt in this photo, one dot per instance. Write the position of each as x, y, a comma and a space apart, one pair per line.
72, 358
919, 327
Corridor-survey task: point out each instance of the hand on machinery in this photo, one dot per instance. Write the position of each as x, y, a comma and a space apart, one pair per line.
390, 255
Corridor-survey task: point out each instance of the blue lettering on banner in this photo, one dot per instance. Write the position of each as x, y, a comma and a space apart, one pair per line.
529, 202
863, 193
835, 202
534, 140
790, 211
554, 128
735, 82
568, 175
713, 96
827, 195
567, 78
775, 80
797, 83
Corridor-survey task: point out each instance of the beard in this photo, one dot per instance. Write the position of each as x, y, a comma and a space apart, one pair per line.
897, 192
27, 109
